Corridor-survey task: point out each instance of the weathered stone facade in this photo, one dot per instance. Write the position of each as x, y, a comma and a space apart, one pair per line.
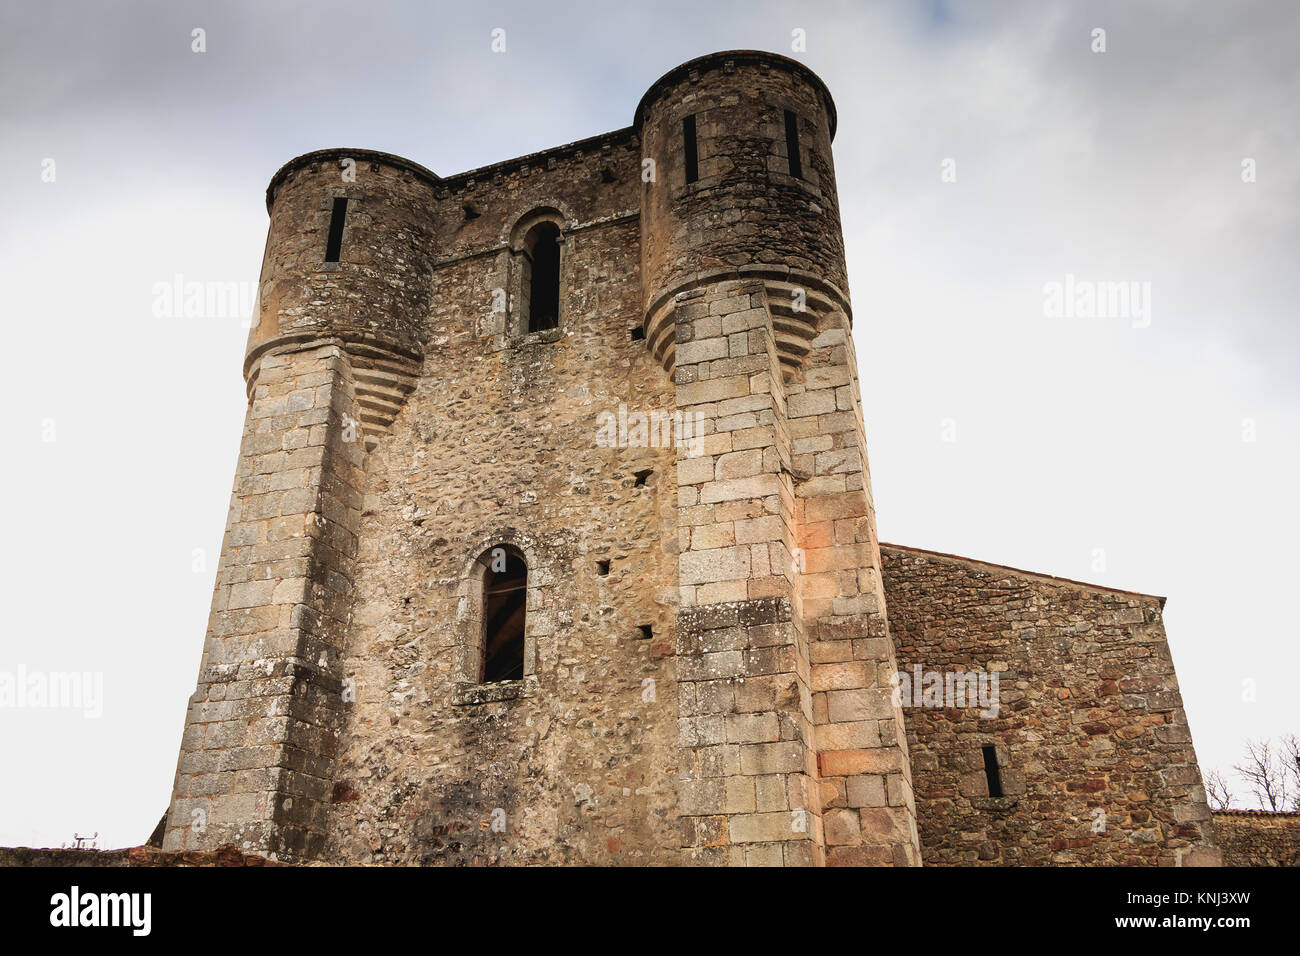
1098, 758
707, 648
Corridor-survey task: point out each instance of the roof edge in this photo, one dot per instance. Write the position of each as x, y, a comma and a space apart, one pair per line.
744, 56
454, 181
1033, 574
625, 134
339, 152
613, 137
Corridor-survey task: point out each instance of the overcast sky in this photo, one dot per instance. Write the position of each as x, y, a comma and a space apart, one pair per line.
1115, 450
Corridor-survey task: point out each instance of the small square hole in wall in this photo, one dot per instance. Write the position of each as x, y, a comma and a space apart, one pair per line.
647, 631
641, 477
637, 333
602, 568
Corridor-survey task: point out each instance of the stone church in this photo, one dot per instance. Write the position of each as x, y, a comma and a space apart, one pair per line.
552, 541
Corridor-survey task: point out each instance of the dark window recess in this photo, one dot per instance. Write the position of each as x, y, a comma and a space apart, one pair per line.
792, 144
602, 568
641, 476
544, 281
335, 241
992, 772
692, 156
647, 632
637, 332
505, 598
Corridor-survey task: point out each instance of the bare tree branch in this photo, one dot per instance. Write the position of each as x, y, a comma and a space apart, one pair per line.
1216, 790
1290, 748
1265, 772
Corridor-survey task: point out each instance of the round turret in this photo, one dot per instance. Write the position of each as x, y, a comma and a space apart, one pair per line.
742, 187
349, 257
349, 253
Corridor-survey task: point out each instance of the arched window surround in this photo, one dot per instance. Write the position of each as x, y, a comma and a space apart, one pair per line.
522, 257
471, 626
504, 614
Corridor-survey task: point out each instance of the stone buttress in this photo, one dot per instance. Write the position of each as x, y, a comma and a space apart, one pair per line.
792, 750
331, 357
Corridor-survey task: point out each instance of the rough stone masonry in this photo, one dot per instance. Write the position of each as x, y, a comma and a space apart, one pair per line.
708, 631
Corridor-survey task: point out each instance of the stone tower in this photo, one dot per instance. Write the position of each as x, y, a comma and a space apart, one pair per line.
783, 651
692, 618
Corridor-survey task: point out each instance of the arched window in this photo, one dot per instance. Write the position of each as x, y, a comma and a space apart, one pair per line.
541, 278
505, 600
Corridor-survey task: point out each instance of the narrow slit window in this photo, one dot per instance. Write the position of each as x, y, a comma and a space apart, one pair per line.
335, 242
792, 144
542, 264
691, 149
505, 606
991, 771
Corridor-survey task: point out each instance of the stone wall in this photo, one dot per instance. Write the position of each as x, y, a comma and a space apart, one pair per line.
775, 505
498, 445
1258, 838
227, 855
256, 758
743, 280
748, 761
1095, 754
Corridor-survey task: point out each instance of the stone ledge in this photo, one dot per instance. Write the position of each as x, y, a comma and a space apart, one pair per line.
469, 694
